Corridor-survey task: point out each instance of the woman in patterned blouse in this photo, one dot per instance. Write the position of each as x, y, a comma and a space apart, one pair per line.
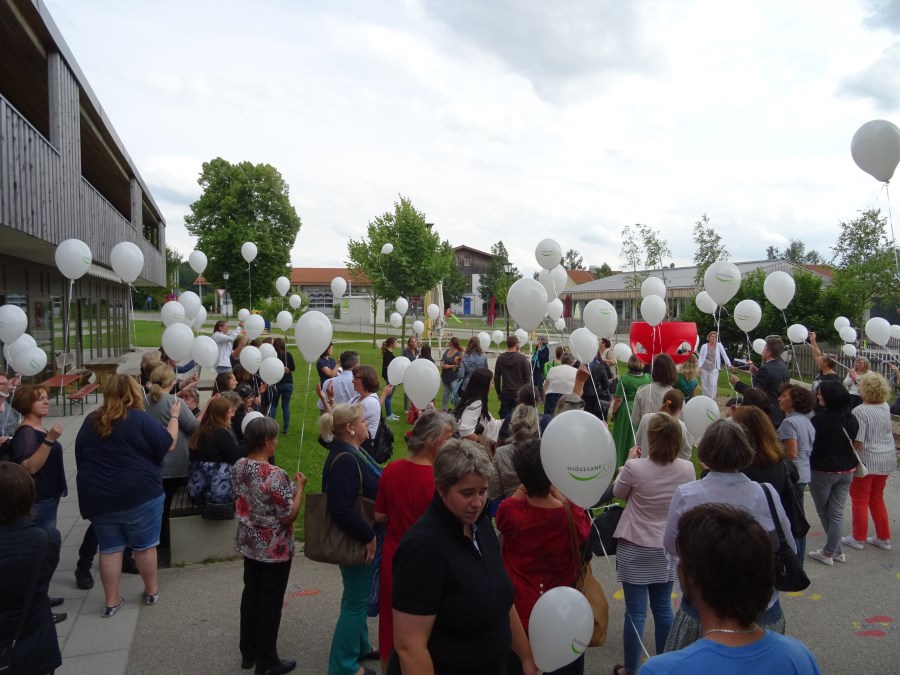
266, 506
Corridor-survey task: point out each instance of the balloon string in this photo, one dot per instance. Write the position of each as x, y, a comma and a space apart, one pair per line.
303, 425
66, 329
887, 192
791, 346
250, 284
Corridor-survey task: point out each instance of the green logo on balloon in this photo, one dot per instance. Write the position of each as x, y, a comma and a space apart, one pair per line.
724, 278
606, 312
584, 478
710, 416
578, 646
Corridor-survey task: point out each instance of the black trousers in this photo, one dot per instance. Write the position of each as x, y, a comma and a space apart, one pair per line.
261, 601
507, 402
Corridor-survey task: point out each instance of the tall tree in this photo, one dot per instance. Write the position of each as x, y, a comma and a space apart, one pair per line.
454, 285
419, 259
494, 282
710, 248
603, 271
656, 249
244, 202
572, 260
865, 266
796, 253
631, 254
158, 294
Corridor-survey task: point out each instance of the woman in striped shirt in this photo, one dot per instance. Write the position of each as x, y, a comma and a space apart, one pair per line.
875, 444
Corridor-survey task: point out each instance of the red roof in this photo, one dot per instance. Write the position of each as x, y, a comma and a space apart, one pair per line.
200, 280
580, 276
824, 270
322, 276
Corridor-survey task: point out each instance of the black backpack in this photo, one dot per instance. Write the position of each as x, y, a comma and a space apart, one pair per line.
381, 448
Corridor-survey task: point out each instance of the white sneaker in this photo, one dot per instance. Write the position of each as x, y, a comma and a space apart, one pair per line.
880, 543
852, 543
839, 557
393, 418
821, 557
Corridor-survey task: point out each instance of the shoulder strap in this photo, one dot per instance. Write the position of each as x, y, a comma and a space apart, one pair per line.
336, 458
573, 538
32, 582
775, 518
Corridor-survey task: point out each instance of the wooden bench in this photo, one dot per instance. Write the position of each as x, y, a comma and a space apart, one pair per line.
80, 395
192, 539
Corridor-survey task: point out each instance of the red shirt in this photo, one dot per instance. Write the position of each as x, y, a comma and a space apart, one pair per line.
537, 550
405, 491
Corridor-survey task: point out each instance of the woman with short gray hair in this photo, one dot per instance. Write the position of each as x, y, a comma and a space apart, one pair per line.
405, 490
448, 563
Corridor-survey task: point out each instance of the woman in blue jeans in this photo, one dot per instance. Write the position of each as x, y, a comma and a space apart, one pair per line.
285, 387
642, 564
347, 471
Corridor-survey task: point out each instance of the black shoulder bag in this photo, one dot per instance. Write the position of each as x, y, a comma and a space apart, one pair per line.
8, 646
789, 574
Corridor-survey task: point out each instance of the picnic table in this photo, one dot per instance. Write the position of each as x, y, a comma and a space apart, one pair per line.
60, 382
103, 367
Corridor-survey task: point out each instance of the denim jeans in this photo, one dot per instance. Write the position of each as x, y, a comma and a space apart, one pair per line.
351, 634
636, 614
829, 492
799, 489
283, 393
45, 513
387, 404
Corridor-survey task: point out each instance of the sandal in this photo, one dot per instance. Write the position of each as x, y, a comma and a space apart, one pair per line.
109, 611
151, 598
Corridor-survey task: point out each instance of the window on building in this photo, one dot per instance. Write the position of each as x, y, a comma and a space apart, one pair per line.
465, 261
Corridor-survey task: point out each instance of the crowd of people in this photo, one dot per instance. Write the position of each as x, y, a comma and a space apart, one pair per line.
430, 551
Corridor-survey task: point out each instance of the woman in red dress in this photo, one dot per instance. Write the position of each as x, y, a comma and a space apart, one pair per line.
537, 548
405, 491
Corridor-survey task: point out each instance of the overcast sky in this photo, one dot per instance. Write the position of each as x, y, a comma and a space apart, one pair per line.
506, 119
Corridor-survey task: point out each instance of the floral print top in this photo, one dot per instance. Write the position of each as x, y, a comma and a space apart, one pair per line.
263, 495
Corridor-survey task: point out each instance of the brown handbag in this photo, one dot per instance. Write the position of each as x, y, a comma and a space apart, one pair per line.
588, 585
328, 542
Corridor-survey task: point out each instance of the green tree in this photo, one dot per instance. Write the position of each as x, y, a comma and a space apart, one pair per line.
158, 294
418, 262
494, 282
244, 202
710, 248
603, 271
865, 266
796, 253
572, 260
454, 285
631, 254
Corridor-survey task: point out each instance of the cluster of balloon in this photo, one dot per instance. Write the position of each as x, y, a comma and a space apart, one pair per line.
20, 349
579, 456
127, 261
338, 287
875, 148
560, 627
526, 300
433, 312
420, 379
847, 334
554, 281
699, 413
198, 262
653, 305
186, 310
601, 318
402, 305
282, 285
313, 335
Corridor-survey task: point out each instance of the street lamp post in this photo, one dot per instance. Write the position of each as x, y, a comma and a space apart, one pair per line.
507, 267
225, 276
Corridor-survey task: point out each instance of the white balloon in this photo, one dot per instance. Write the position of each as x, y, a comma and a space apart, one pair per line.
191, 303
387, 249
584, 344
284, 320
295, 301
254, 326
402, 305
848, 334
24, 343
243, 314
267, 351
841, 322
875, 148
271, 370
418, 327
421, 382
13, 322
560, 627
779, 288
249, 417
579, 456
560, 324
282, 285
601, 318
522, 335
747, 315
248, 251
498, 337
200, 319
313, 335
178, 341
397, 369
797, 333
127, 261
205, 351
849, 350
433, 312
555, 309
758, 345
895, 331
396, 319
250, 358
622, 352
653, 286
198, 262
548, 254
699, 413
527, 303
722, 280
653, 309
484, 340
30, 361
338, 287
878, 330
73, 258
172, 312
554, 281
705, 303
